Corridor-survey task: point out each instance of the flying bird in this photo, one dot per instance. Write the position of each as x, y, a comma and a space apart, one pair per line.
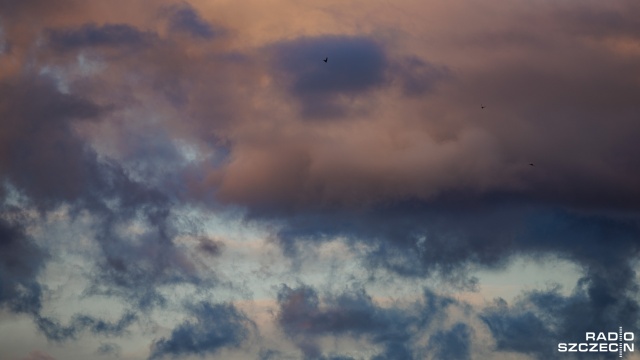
531, 164
482, 106
326, 59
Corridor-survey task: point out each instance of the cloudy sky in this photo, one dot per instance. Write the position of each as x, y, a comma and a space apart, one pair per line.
189, 179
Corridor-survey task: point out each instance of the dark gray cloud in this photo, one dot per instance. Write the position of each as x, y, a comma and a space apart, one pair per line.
41, 141
92, 35
38, 142
355, 65
603, 300
186, 19
453, 343
55, 331
562, 96
587, 20
215, 326
14, 10
419, 77
568, 108
418, 238
305, 316
135, 271
412, 238
210, 247
151, 155
272, 354
21, 261
269, 354
109, 349
44, 160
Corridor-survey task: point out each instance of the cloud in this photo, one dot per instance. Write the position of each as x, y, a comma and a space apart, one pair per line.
49, 165
210, 247
419, 77
45, 161
350, 313
92, 35
216, 326
109, 349
271, 354
417, 240
447, 237
134, 271
409, 172
356, 65
444, 143
305, 317
39, 141
53, 330
538, 320
38, 355
607, 22
21, 261
453, 343
186, 19
11, 10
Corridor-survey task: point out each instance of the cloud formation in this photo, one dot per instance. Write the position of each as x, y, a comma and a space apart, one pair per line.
21, 262
91, 35
540, 319
57, 332
215, 326
354, 66
306, 317
140, 123
38, 355
186, 19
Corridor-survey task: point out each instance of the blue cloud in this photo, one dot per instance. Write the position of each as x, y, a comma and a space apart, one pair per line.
536, 322
216, 326
356, 64
186, 19
92, 35
454, 343
53, 330
20, 263
305, 316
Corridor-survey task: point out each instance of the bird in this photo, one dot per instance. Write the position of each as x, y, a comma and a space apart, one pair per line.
482, 106
531, 164
326, 59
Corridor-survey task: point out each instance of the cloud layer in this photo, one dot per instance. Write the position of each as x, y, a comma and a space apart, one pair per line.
436, 142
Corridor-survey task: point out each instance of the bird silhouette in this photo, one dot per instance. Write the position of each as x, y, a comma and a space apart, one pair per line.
482, 106
326, 59
531, 164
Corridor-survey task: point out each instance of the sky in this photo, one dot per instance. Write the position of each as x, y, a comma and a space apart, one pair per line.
190, 180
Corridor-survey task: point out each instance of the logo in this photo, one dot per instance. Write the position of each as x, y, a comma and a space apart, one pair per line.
602, 342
